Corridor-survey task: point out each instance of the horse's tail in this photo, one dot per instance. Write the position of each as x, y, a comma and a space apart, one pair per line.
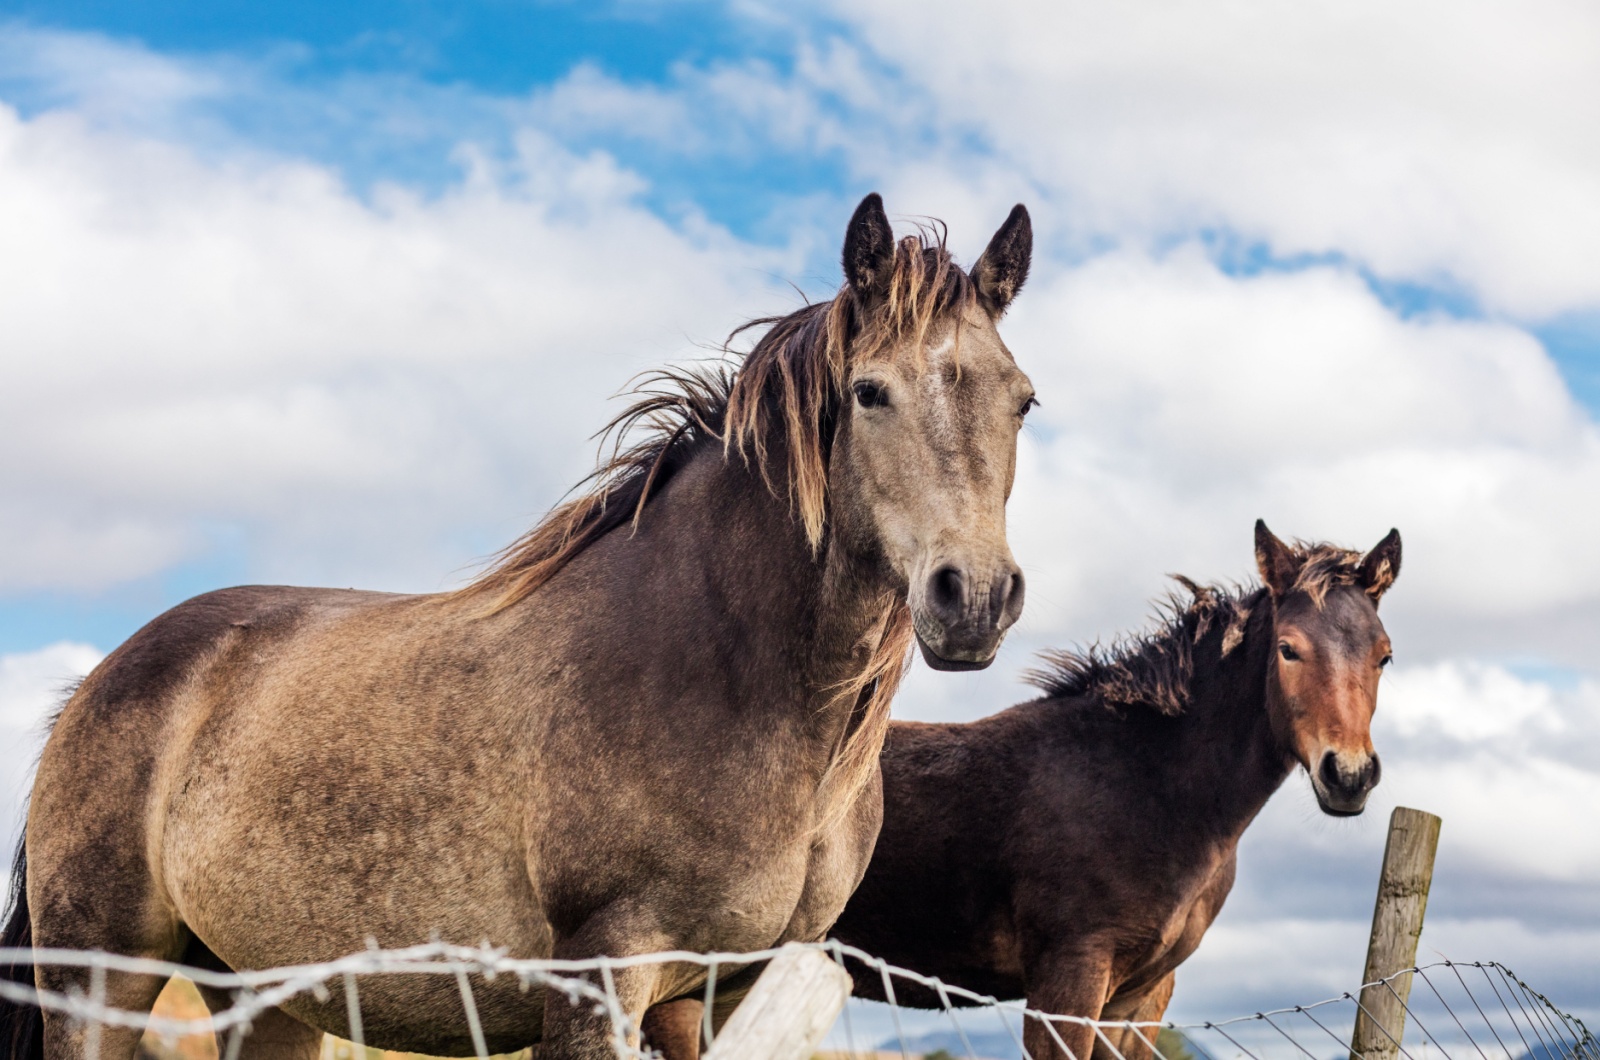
21, 1028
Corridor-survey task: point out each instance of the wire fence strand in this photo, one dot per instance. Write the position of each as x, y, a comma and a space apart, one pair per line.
1469, 1011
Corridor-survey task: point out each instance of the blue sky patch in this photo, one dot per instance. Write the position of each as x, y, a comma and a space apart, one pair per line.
1574, 343
499, 47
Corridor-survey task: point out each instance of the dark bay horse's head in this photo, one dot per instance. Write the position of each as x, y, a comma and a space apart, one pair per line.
925, 447
1330, 649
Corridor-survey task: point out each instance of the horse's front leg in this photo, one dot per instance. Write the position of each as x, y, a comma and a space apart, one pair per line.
674, 1028
1137, 1043
585, 1029
1065, 984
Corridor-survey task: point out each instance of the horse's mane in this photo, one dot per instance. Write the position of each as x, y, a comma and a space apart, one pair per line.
1154, 669
786, 390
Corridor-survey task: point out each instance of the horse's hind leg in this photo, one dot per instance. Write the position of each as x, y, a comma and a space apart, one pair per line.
272, 1034
69, 1039
78, 902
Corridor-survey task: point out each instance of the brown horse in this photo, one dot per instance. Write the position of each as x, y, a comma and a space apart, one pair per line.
653, 724
1074, 849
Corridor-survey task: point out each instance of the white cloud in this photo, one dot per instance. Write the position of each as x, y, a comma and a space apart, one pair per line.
191, 342
1507, 761
1472, 702
1427, 139
31, 686
106, 78
1181, 403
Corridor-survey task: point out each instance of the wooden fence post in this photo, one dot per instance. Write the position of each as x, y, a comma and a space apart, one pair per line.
788, 1011
1396, 926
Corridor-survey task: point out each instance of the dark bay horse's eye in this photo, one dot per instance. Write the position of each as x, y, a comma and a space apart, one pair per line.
1288, 653
1386, 660
1031, 403
870, 395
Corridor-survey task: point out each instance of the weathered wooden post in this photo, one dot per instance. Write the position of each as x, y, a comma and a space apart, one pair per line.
788, 1011
1396, 926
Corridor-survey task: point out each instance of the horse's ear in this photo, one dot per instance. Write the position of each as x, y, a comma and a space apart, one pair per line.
1381, 566
1003, 268
1275, 560
869, 250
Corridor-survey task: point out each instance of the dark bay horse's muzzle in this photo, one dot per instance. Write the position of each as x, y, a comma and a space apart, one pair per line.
1342, 785
961, 620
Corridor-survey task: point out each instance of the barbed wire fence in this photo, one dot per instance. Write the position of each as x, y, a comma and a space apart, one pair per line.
1455, 1011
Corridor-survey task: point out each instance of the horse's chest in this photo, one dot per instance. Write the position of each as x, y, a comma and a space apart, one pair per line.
836, 865
827, 888
1170, 938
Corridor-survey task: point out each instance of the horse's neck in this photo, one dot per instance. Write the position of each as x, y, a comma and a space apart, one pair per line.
808, 617
1234, 760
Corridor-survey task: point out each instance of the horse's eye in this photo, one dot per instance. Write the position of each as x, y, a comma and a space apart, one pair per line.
1386, 660
870, 395
1288, 653
1031, 403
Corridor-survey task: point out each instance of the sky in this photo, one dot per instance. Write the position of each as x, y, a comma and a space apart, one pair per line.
337, 294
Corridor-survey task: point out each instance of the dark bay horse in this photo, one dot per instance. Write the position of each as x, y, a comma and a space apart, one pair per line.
653, 724
1074, 849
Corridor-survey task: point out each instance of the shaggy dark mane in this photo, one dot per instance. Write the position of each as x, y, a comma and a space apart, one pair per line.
1154, 669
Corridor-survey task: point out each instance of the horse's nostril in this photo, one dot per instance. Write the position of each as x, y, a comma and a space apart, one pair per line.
947, 590
1352, 782
1328, 771
1011, 598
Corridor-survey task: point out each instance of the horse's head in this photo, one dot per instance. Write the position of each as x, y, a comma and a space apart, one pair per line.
1329, 650
925, 447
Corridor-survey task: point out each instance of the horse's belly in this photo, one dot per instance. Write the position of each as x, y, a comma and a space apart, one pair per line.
272, 867
267, 906
427, 1013
273, 902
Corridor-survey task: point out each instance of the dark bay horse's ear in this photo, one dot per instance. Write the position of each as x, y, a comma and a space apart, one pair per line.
1275, 560
1381, 566
869, 250
1003, 268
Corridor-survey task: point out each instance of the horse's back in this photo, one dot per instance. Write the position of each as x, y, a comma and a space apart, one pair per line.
125, 706
170, 649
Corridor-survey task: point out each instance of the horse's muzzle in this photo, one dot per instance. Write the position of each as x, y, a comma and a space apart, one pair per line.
961, 620
1343, 782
